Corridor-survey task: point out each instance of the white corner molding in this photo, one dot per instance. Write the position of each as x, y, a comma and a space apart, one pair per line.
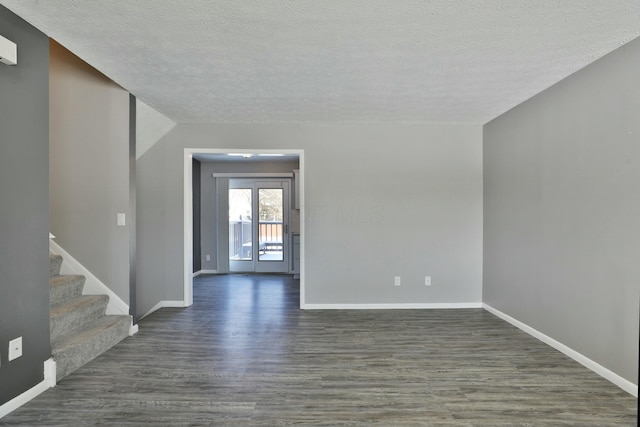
616, 379
48, 382
50, 372
92, 285
8, 52
188, 229
401, 306
133, 329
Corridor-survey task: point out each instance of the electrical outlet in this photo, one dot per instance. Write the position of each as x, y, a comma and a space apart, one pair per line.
208, 257
121, 219
427, 280
396, 281
15, 348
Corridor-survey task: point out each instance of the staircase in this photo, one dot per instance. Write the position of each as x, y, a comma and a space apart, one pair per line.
80, 329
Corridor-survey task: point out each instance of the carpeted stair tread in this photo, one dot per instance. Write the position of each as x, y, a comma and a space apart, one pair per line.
55, 262
92, 329
76, 303
88, 342
80, 331
64, 288
71, 314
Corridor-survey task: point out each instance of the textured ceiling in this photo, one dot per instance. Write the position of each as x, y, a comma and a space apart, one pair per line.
335, 60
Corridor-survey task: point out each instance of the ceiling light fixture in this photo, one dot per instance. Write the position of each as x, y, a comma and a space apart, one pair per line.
245, 155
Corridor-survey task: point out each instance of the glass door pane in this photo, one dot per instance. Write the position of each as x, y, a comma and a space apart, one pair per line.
270, 225
240, 224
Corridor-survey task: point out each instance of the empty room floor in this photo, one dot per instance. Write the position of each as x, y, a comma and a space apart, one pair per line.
245, 355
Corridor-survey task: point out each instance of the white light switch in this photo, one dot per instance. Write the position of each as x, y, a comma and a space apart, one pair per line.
8, 52
15, 348
122, 219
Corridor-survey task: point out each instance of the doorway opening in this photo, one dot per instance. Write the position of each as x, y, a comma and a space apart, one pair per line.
272, 238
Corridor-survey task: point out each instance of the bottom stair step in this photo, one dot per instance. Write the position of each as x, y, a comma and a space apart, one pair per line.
93, 339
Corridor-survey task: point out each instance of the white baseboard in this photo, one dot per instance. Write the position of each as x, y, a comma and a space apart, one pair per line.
92, 285
401, 306
50, 372
133, 329
200, 272
48, 382
616, 379
164, 304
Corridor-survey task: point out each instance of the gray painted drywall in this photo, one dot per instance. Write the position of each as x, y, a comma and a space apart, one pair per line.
24, 211
151, 126
90, 168
209, 225
381, 200
131, 223
197, 245
562, 212
222, 225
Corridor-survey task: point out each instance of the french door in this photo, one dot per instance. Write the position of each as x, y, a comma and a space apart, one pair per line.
259, 225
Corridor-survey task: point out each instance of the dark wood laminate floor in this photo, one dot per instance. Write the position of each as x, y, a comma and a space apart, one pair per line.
244, 355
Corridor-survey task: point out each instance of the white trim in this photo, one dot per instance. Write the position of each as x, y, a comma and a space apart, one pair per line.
616, 379
48, 382
303, 234
201, 272
133, 329
92, 285
50, 372
188, 228
252, 175
51, 236
164, 304
402, 306
188, 213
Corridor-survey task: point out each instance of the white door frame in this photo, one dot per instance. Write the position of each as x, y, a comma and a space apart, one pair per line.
188, 212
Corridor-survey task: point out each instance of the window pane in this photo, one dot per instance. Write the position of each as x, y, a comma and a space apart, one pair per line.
240, 231
270, 206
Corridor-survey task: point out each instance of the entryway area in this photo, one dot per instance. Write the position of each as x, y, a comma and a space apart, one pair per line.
243, 213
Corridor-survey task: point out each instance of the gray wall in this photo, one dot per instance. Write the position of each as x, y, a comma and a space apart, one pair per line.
24, 210
562, 212
381, 200
208, 184
90, 168
195, 179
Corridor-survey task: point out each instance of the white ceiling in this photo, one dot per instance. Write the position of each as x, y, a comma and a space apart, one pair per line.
335, 60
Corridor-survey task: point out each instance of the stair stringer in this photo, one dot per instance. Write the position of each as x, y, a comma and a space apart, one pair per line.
92, 285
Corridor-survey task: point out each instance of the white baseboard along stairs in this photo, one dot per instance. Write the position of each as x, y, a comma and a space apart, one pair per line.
80, 329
